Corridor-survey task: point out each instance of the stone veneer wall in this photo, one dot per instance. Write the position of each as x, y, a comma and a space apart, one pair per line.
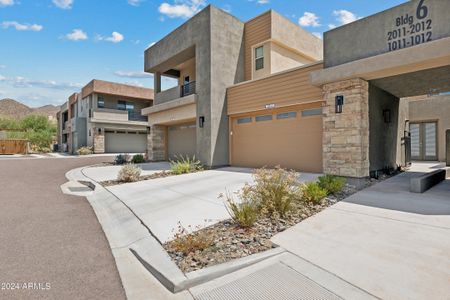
156, 139
346, 135
99, 141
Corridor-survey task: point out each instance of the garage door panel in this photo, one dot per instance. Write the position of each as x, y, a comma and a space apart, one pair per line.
291, 143
182, 140
131, 142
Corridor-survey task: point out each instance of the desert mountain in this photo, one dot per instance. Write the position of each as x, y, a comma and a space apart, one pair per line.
14, 109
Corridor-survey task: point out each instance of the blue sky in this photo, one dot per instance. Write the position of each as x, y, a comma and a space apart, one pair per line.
50, 48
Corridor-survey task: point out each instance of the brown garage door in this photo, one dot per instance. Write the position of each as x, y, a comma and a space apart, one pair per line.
291, 139
182, 140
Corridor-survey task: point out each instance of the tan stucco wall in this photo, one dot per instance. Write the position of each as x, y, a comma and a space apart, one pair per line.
175, 115
435, 108
187, 69
288, 44
111, 88
282, 58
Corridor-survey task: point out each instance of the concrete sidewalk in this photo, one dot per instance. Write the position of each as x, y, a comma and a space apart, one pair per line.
384, 240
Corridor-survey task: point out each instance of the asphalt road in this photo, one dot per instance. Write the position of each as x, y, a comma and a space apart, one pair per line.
49, 238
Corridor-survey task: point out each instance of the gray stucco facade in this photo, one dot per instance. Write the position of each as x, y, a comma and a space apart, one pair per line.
218, 64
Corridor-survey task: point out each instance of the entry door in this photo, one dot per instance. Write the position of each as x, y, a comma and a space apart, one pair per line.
423, 141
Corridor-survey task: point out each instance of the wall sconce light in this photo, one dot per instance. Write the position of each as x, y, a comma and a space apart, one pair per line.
201, 121
339, 103
387, 115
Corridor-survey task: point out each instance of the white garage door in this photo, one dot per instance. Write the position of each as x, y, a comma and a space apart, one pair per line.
182, 140
125, 142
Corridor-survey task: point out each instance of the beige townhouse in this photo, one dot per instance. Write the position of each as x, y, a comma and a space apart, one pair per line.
106, 116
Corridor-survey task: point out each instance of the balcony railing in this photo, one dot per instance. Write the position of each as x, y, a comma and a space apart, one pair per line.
179, 91
188, 89
135, 116
117, 115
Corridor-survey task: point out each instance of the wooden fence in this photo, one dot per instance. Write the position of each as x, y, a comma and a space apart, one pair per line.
13, 147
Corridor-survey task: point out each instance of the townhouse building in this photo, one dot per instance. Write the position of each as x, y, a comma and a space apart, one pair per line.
106, 116
266, 92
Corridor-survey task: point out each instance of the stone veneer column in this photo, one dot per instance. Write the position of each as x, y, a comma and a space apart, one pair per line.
156, 143
99, 140
346, 135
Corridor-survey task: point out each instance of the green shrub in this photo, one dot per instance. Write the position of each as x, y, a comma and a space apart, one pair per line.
185, 164
138, 159
121, 159
129, 173
85, 151
244, 214
274, 191
187, 242
313, 192
333, 184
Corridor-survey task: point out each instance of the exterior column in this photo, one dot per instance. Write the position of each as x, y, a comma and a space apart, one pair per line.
156, 143
99, 140
157, 82
346, 134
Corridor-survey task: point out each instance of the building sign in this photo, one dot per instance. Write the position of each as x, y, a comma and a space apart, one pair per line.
271, 105
411, 30
413, 23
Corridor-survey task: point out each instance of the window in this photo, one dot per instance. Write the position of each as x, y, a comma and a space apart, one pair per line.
244, 120
259, 58
121, 105
124, 105
263, 118
100, 102
312, 112
287, 115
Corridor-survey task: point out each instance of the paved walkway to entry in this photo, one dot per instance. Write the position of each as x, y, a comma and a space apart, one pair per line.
384, 240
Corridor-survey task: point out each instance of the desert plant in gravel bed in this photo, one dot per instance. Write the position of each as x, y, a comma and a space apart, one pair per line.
85, 151
274, 191
313, 192
184, 164
244, 214
138, 159
333, 184
129, 173
121, 159
187, 243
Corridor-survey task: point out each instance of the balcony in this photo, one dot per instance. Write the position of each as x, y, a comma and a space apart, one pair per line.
117, 116
176, 92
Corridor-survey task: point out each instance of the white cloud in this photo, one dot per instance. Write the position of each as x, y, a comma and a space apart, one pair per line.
132, 74
344, 16
135, 2
317, 34
22, 82
6, 3
309, 19
260, 1
63, 4
181, 8
331, 26
77, 35
19, 26
115, 37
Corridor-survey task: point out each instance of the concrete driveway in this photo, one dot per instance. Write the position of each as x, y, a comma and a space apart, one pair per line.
384, 240
191, 199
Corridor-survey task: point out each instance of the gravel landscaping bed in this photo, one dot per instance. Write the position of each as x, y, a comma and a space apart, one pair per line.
230, 241
141, 178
